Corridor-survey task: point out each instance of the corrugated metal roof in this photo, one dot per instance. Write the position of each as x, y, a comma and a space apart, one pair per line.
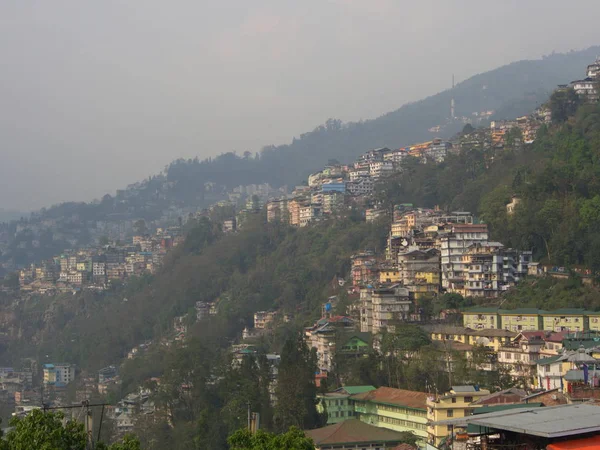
464, 389
550, 422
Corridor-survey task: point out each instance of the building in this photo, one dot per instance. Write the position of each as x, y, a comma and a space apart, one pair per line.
338, 404
479, 318
353, 434
395, 409
521, 356
263, 318
58, 374
323, 337
309, 213
453, 246
390, 306
460, 401
567, 319
572, 426
521, 319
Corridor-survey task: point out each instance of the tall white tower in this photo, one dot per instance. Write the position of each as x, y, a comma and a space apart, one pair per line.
452, 116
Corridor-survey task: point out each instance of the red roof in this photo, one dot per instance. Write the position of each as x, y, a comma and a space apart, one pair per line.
352, 431
401, 397
404, 447
592, 443
557, 336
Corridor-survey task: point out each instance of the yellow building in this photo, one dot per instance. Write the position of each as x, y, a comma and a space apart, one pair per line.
568, 319
428, 277
396, 409
491, 338
459, 402
449, 333
481, 318
593, 320
389, 276
521, 319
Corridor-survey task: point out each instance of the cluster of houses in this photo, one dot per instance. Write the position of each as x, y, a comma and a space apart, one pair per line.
334, 188
94, 267
464, 417
429, 252
587, 88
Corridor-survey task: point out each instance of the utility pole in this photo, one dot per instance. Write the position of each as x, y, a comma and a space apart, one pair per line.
249, 416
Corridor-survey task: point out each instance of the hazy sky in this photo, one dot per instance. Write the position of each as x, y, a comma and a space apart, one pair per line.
95, 95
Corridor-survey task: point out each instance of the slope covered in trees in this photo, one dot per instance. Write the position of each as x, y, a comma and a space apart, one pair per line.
511, 91
557, 180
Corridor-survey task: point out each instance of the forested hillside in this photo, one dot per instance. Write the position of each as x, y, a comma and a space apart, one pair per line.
557, 180
511, 91
263, 266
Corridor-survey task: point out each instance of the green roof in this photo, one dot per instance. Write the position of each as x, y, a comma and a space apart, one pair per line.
357, 389
480, 309
592, 313
521, 311
548, 360
564, 312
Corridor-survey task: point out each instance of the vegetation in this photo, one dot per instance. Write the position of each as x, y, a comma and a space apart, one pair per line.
46, 431
293, 439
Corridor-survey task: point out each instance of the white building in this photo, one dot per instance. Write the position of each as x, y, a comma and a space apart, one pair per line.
364, 186
453, 246
379, 169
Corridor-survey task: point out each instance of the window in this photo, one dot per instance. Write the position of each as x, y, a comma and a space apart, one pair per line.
450, 428
468, 399
453, 399
450, 413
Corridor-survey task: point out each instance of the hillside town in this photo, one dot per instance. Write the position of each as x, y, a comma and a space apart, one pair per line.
549, 357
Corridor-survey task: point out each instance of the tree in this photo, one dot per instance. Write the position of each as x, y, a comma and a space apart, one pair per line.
296, 390
45, 431
563, 104
468, 129
293, 439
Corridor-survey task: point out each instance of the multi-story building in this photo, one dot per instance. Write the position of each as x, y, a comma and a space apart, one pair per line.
59, 374
521, 319
390, 306
338, 404
479, 318
567, 319
323, 337
521, 355
453, 246
458, 402
263, 318
413, 262
366, 310
333, 202
360, 187
395, 409
309, 213
380, 169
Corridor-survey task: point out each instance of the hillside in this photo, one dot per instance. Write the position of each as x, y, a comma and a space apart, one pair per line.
189, 185
511, 91
273, 266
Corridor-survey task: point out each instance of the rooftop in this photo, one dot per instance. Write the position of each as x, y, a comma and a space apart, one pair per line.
549, 422
401, 397
352, 431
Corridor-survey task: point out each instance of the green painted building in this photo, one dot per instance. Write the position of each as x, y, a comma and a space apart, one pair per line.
338, 404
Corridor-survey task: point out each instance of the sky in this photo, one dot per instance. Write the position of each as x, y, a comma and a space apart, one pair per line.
95, 95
